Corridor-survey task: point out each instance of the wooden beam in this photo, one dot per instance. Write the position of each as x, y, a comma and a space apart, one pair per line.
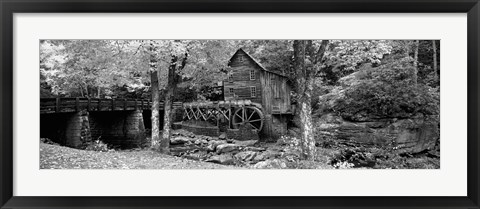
88, 103
57, 104
77, 104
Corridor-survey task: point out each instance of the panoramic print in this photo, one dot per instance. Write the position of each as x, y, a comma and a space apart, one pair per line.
239, 104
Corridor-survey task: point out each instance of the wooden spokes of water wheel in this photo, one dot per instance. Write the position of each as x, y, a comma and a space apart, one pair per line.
248, 115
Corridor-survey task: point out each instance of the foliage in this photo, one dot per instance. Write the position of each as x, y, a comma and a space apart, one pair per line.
98, 146
58, 157
89, 67
48, 141
344, 57
275, 55
387, 92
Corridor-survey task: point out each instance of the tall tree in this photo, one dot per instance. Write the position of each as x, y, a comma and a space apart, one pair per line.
415, 62
192, 62
154, 86
307, 61
435, 70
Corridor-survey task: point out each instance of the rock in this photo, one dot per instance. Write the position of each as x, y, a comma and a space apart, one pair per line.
415, 135
222, 136
211, 147
182, 132
201, 141
269, 154
179, 140
214, 143
255, 149
412, 135
359, 157
209, 138
271, 164
225, 159
245, 143
182, 149
246, 155
196, 155
223, 148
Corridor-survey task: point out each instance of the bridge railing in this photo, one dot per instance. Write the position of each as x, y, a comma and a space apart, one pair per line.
68, 104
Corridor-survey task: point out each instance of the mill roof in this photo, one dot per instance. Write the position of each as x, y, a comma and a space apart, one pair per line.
256, 62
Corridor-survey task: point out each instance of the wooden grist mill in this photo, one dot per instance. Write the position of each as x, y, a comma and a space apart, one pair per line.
254, 97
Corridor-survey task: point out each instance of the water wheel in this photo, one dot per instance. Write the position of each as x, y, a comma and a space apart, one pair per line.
248, 115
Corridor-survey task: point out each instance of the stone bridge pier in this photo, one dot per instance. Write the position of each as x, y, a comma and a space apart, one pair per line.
125, 129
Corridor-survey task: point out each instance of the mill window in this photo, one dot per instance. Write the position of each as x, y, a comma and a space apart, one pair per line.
252, 74
253, 91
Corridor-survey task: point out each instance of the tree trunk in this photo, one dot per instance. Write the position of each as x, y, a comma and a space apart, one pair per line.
303, 118
81, 90
87, 92
168, 110
415, 63
407, 48
435, 68
98, 92
155, 141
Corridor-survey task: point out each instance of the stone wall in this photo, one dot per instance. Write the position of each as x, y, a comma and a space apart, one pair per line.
201, 130
78, 130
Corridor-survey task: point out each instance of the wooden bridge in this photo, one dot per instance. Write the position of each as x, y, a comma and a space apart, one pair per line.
69, 104
77, 121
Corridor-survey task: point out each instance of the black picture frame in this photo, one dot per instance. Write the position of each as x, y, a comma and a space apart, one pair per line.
9, 7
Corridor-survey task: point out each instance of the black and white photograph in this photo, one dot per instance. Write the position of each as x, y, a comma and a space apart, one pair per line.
239, 104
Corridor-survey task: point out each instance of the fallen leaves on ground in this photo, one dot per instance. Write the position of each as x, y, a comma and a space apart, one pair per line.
58, 157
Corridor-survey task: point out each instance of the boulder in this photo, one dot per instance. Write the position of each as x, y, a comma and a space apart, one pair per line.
196, 155
201, 141
182, 132
411, 135
224, 148
269, 154
255, 149
271, 164
212, 145
245, 143
246, 156
222, 136
179, 140
225, 159
415, 135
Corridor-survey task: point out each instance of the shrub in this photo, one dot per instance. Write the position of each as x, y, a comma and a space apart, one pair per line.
387, 92
48, 141
98, 146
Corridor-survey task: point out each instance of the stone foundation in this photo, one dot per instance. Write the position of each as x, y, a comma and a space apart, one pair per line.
201, 130
78, 130
69, 129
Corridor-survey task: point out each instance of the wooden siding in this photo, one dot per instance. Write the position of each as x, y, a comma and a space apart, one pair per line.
276, 93
241, 82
